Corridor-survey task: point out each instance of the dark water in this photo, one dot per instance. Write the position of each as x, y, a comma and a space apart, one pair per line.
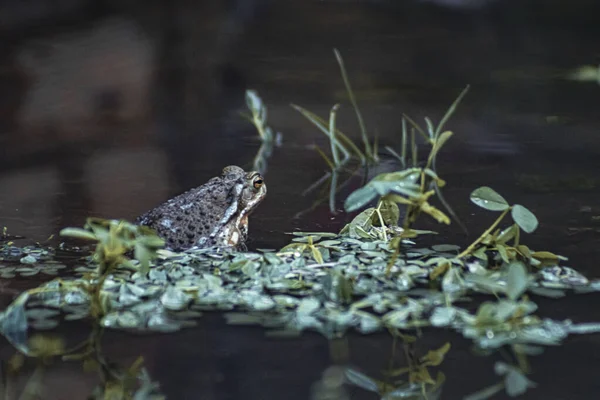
115, 111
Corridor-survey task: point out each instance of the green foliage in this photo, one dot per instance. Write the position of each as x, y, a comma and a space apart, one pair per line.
524, 218
330, 282
339, 142
44, 350
516, 282
115, 239
259, 116
506, 242
319, 252
411, 187
370, 153
402, 183
418, 384
487, 198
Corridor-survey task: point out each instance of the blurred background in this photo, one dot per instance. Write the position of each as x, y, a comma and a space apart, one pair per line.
108, 108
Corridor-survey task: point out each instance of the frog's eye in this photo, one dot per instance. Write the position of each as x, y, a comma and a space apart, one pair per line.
258, 182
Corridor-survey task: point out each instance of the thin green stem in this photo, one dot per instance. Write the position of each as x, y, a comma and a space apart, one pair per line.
378, 211
334, 149
363, 129
469, 249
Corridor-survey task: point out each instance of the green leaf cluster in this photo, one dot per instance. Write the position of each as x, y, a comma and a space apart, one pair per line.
506, 242
115, 238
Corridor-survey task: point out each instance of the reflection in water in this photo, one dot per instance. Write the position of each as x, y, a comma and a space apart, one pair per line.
39, 375
324, 282
414, 381
268, 138
81, 136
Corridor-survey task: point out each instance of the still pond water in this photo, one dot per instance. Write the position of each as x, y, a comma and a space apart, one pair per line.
522, 129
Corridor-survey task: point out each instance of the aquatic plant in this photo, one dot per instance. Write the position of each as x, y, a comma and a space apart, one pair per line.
369, 277
115, 240
410, 188
434, 136
339, 142
419, 385
258, 118
342, 148
46, 350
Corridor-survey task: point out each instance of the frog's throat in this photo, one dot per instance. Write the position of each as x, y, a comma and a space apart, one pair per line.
230, 211
235, 206
250, 207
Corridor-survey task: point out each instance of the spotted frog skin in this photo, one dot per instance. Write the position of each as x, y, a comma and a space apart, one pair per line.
214, 214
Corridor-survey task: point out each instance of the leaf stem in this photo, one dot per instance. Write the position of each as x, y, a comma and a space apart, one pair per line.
469, 249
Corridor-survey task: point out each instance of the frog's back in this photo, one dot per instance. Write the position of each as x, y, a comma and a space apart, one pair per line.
183, 220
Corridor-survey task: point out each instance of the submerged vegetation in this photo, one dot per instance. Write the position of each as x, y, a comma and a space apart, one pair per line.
372, 276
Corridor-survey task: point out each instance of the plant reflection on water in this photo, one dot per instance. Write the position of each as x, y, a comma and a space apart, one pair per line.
370, 277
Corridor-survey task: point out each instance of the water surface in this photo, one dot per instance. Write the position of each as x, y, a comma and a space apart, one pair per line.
111, 124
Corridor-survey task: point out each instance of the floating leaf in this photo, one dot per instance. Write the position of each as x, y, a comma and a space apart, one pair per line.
128, 319
272, 259
516, 280
175, 299
524, 218
451, 282
29, 259
442, 316
486, 197
308, 306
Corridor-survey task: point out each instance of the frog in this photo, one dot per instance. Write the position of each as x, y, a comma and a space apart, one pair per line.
212, 215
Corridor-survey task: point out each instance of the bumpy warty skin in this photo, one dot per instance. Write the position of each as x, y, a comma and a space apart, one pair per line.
199, 216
